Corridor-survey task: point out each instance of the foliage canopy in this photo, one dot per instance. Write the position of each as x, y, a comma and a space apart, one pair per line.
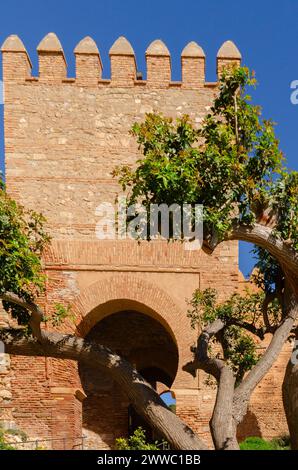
232, 164
22, 241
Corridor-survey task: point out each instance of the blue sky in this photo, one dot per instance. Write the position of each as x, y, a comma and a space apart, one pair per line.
168, 399
266, 33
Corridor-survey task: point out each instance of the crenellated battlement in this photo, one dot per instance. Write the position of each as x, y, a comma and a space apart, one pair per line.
17, 65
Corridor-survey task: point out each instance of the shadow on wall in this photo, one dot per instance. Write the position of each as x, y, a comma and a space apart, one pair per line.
248, 427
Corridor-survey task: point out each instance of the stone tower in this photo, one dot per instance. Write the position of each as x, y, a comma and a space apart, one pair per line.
63, 138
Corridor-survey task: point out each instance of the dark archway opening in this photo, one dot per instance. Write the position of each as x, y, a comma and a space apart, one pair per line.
141, 339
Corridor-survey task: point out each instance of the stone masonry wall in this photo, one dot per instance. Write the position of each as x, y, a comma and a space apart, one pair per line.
6, 418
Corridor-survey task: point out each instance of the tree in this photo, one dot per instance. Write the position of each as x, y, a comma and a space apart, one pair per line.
22, 241
271, 278
226, 350
233, 166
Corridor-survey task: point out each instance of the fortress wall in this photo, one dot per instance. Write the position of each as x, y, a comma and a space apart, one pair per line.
63, 138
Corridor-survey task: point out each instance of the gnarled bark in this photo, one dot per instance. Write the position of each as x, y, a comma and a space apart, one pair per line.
244, 390
222, 425
290, 397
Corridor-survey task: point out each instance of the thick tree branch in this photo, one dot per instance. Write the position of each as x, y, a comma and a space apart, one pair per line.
202, 360
142, 396
259, 332
264, 237
268, 299
222, 425
34, 309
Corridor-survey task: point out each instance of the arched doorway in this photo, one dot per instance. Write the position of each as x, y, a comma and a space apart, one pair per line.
146, 343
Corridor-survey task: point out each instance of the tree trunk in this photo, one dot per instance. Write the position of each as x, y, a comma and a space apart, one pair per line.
290, 398
141, 395
244, 390
222, 424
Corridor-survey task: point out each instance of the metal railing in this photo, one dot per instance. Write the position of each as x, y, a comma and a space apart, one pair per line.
63, 443
163, 445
